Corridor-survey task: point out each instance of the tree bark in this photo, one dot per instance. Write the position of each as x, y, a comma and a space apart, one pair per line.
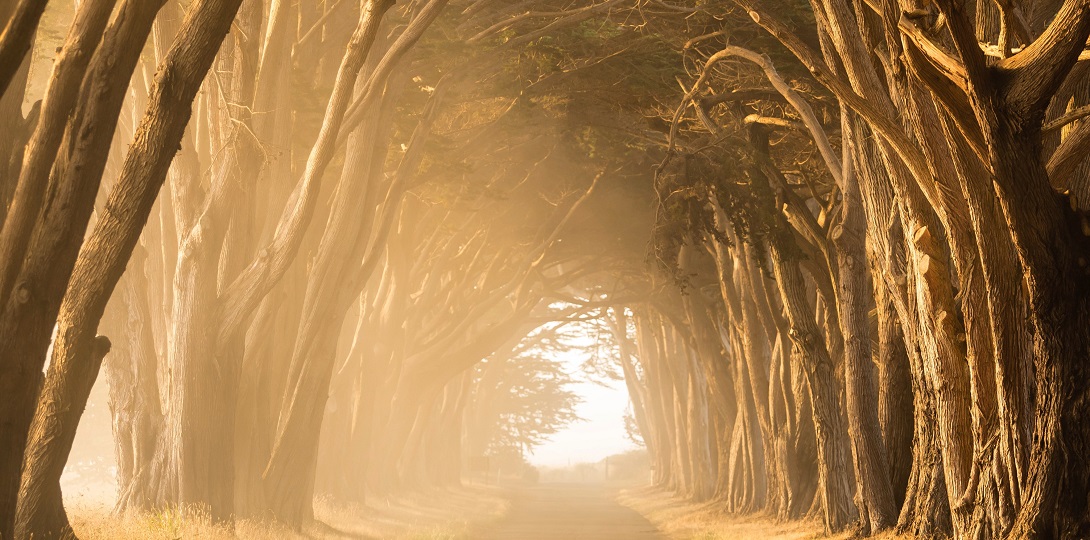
41, 151
871, 463
30, 307
17, 38
40, 512
102, 260
833, 483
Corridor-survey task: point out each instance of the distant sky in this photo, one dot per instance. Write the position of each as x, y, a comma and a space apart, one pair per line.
601, 433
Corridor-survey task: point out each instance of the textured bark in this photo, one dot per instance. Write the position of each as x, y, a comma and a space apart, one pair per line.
876, 501
999, 363
969, 337
17, 37
833, 484
895, 392
40, 512
811, 345
1054, 503
30, 308
41, 151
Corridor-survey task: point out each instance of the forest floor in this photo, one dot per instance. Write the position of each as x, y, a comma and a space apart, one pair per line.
681, 519
547, 511
555, 511
447, 514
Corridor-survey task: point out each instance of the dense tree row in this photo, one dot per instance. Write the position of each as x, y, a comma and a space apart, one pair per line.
314, 246
300, 249
892, 267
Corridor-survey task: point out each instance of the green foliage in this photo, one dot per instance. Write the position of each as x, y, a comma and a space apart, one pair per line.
528, 398
632, 428
539, 403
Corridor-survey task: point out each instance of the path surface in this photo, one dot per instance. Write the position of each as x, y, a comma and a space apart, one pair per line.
570, 512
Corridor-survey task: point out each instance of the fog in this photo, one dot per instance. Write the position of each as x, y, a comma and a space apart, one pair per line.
538, 269
598, 434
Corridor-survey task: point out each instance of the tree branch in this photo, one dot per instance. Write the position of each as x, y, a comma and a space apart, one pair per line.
1069, 117
809, 119
1035, 73
1067, 157
879, 122
17, 37
960, 22
949, 66
946, 86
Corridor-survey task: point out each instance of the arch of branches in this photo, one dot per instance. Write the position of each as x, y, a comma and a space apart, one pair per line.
840, 248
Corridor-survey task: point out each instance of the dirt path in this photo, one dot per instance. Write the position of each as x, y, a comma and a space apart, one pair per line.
570, 512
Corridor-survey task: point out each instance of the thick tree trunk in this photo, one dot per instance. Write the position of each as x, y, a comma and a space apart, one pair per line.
833, 482
30, 308
871, 463
895, 392
1054, 503
40, 513
17, 37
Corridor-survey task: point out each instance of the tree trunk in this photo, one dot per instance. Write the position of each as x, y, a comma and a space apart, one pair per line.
30, 308
61, 98
40, 512
134, 392
833, 482
334, 280
17, 37
1044, 231
876, 502
895, 392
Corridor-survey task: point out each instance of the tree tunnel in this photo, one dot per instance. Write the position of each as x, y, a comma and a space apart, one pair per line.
286, 253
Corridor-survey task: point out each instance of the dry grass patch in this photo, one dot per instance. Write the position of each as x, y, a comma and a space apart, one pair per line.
685, 520
436, 514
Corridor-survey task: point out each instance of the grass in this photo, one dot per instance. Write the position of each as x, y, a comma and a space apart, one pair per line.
437, 514
685, 520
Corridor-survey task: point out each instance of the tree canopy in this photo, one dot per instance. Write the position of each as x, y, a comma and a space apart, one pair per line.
837, 251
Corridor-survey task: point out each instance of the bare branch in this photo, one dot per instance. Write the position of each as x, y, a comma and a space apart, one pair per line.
809, 119
1071, 152
881, 123
1037, 71
1069, 117
17, 37
569, 20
